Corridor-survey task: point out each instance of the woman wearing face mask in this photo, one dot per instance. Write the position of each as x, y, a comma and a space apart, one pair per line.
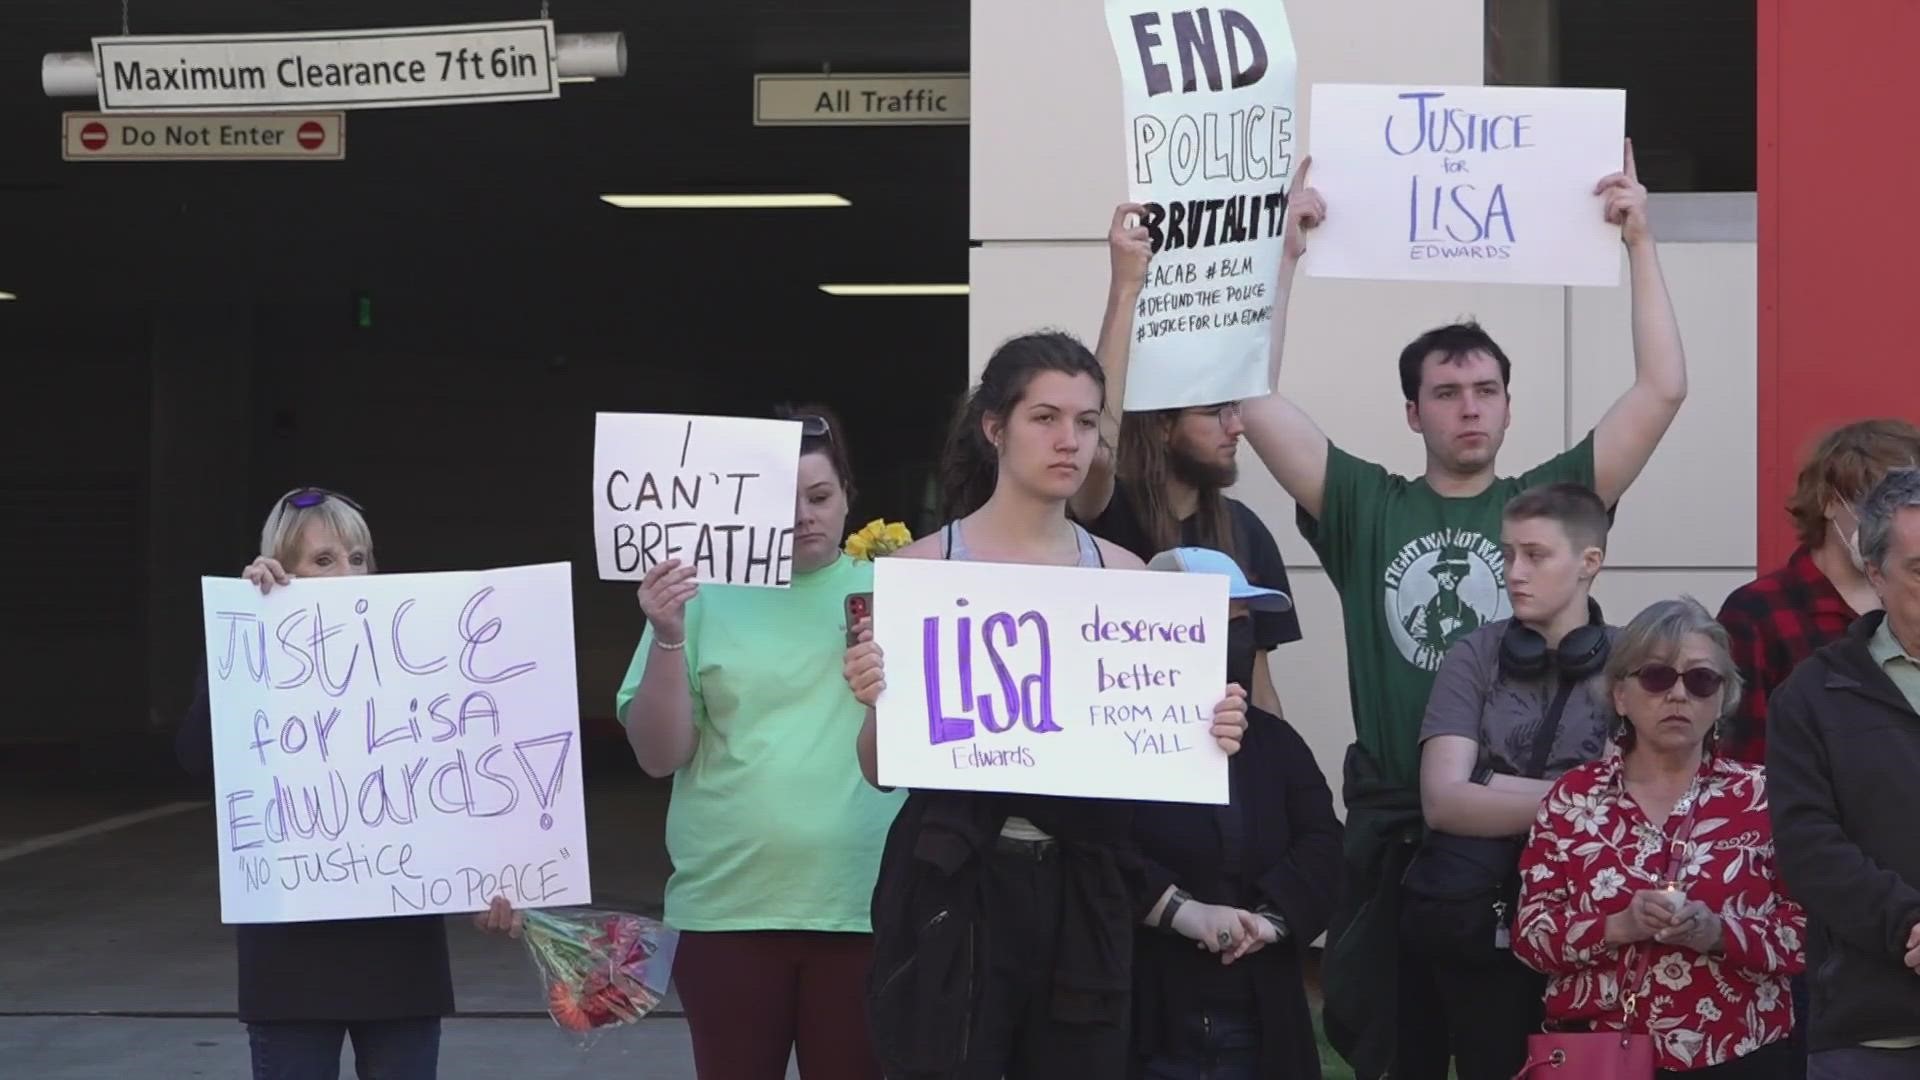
305, 988
1650, 894
1272, 854
1514, 705
1004, 923
735, 692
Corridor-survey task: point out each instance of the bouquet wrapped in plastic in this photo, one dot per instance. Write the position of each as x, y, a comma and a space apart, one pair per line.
601, 969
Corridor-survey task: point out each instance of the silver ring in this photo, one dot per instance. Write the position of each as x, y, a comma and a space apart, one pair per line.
1224, 938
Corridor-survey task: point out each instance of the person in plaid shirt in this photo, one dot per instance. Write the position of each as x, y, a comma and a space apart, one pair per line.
1780, 618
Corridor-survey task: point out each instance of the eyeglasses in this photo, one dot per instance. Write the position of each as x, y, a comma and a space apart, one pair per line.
1659, 678
1226, 413
308, 497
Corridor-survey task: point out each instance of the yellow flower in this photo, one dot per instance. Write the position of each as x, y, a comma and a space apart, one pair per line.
879, 537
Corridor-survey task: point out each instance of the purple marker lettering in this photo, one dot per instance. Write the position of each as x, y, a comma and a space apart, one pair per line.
322, 633
287, 730
237, 821
412, 773
482, 767
451, 726
476, 637
287, 633
942, 728
324, 728
261, 742
1004, 623
479, 705
436, 790
236, 643
366, 630
409, 732
1042, 681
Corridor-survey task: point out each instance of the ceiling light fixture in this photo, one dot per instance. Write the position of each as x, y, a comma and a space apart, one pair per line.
723, 202
8, 296
894, 290
576, 78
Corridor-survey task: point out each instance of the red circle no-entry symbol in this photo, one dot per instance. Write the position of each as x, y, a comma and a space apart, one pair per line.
311, 135
94, 135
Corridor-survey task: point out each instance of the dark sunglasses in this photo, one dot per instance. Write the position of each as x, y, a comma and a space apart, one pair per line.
815, 427
308, 497
1659, 678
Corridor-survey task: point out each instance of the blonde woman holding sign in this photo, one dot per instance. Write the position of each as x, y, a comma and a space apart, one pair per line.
307, 987
775, 840
1003, 924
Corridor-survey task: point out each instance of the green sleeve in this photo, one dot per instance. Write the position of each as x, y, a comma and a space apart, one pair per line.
637, 667
1351, 503
1574, 466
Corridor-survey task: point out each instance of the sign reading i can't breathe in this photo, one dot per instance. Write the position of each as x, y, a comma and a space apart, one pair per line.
398, 744
1209, 97
1049, 680
713, 492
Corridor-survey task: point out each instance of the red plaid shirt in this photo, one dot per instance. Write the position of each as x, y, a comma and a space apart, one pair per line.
1775, 622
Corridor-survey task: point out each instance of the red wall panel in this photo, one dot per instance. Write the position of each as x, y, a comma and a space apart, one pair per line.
1839, 169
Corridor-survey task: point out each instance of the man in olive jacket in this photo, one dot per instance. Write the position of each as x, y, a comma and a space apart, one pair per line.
1843, 778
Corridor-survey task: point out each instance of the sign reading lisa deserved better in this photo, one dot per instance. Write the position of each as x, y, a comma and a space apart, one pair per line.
1051, 680
396, 744
714, 492
1489, 184
1209, 103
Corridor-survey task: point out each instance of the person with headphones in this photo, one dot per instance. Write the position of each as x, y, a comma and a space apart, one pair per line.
1514, 704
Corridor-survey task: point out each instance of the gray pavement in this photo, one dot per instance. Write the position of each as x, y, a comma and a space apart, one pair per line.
114, 963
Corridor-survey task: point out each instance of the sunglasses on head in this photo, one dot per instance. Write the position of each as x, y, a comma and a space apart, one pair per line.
1659, 678
815, 427
308, 497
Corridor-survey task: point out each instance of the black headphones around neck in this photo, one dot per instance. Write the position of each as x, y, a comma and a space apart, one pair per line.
1524, 653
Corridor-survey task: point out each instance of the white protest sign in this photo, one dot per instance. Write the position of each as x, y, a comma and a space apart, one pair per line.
1491, 184
1051, 680
1209, 97
395, 744
715, 492
337, 69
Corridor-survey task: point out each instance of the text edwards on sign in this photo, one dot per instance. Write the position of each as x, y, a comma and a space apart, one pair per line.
1490, 184
363, 69
1209, 103
395, 744
714, 492
1051, 680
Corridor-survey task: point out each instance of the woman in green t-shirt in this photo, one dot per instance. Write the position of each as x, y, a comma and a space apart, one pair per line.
736, 693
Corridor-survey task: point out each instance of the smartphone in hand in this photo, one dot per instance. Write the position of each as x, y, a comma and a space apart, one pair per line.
859, 606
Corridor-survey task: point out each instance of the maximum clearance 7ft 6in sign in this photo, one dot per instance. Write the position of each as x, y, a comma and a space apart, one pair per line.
355, 69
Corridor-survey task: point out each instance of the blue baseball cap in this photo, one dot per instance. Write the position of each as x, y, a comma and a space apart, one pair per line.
1198, 560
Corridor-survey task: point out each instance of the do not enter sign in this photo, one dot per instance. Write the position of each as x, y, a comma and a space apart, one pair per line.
204, 136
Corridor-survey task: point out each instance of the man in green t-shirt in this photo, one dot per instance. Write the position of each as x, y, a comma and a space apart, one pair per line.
1417, 564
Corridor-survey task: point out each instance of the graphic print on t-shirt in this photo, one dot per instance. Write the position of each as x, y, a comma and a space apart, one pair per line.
1441, 587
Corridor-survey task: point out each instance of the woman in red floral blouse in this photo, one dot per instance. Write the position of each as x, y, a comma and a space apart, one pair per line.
1724, 938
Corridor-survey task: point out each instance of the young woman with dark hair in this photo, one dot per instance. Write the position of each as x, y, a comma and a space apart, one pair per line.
1004, 923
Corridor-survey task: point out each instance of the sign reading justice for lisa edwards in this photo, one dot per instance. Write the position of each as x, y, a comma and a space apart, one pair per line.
1466, 183
397, 744
1051, 680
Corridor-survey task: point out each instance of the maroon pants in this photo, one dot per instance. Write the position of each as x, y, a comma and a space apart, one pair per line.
752, 996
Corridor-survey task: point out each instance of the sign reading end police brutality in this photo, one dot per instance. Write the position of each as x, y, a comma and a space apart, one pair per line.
355, 69
395, 744
714, 492
1209, 96
1051, 680
1490, 184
